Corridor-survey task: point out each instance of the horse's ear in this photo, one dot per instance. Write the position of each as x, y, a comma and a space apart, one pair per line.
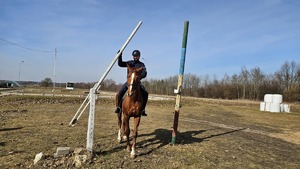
129, 67
139, 69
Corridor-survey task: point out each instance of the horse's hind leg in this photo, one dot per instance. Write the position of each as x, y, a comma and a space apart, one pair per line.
135, 134
120, 127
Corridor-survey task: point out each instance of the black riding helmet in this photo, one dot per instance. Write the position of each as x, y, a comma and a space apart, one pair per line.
136, 53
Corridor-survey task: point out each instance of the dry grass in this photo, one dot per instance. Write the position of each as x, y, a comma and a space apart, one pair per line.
212, 134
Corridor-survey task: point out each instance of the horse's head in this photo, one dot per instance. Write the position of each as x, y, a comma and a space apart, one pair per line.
133, 79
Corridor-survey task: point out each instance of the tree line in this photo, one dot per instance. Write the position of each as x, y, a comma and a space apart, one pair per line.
250, 84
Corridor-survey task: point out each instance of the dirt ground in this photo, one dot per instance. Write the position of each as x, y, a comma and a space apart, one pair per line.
212, 134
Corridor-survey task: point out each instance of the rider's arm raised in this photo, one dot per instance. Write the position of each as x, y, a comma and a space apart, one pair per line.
121, 63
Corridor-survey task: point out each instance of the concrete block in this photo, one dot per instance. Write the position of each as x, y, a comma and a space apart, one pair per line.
61, 151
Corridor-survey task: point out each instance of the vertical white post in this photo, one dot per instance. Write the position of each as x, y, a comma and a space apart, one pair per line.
90, 132
54, 70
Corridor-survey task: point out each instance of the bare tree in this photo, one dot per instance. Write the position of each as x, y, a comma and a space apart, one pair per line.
235, 81
287, 75
298, 82
206, 81
251, 84
109, 85
256, 79
244, 76
191, 84
228, 87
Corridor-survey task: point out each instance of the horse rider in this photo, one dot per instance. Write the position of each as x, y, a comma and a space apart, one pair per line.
136, 63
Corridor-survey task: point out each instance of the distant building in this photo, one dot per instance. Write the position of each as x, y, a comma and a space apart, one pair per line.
69, 86
9, 84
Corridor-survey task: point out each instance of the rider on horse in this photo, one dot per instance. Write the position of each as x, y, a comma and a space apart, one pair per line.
136, 63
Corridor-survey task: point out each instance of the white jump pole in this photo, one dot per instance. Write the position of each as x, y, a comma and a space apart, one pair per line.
90, 131
98, 84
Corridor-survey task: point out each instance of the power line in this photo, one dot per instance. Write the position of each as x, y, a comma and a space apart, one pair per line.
20, 46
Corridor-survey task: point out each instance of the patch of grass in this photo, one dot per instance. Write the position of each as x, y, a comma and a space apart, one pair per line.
34, 124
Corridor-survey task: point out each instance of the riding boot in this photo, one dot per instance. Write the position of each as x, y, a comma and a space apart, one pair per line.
118, 102
143, 108
118, 109
144, 113
119, 98
145, 95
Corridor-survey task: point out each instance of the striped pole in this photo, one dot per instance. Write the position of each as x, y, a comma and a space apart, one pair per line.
179, 84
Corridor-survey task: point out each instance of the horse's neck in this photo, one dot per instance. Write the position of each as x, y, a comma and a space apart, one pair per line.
136, 94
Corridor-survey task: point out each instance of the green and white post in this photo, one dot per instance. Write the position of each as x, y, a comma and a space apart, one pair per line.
180, 80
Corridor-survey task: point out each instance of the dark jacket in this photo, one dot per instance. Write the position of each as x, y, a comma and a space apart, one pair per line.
132, 63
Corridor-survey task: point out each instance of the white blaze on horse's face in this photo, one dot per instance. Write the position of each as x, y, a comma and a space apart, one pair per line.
131, 84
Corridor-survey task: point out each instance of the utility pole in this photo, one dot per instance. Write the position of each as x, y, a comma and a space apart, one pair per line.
20, 70
54, 67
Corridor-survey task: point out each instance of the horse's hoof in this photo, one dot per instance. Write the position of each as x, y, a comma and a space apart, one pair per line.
119, 141
127, 149
132, 155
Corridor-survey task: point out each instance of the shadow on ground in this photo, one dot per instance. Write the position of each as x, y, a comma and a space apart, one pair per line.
9, 129
162, 137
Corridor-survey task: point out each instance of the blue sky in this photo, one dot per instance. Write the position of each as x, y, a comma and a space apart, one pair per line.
223, 36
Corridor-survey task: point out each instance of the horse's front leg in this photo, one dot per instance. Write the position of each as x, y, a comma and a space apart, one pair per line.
135, 134
126, 131
120, 127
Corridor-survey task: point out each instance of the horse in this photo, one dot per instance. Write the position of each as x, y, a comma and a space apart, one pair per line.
131, 107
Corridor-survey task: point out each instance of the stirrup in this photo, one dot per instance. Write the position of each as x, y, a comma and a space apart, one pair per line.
118, 110
144, 113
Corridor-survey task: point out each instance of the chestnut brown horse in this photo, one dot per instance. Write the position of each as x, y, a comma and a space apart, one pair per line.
131, 107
